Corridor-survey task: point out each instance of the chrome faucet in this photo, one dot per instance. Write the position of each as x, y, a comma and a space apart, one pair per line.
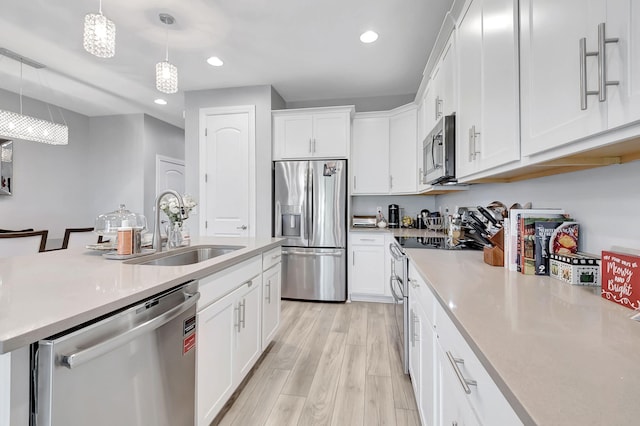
157, 239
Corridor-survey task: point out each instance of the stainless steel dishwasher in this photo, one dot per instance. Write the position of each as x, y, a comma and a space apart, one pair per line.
135, 367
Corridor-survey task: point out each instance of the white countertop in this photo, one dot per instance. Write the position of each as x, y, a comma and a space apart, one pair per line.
560, 354
46, 293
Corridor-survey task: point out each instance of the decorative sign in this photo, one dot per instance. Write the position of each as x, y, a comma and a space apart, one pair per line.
621, 279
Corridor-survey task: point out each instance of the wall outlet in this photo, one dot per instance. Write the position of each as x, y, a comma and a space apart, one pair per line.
378, 210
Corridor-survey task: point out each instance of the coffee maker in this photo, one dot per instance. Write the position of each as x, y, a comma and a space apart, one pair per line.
394, 216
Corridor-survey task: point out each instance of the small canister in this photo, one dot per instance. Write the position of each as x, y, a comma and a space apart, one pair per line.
125, 240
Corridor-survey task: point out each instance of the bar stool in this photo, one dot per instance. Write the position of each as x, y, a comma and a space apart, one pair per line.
21, 243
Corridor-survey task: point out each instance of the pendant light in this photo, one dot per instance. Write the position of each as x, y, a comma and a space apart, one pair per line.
20, 126
99, 35
166, 72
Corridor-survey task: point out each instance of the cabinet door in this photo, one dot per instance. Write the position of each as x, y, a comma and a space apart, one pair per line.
293, 136
469, 49
454, 407
368, 270
499, 140
271, 280
623, 62
430, 104
248, 333
214, 358
447, 84
427, 341
331, 135
402, 147
415, 366
550, 72
370, 155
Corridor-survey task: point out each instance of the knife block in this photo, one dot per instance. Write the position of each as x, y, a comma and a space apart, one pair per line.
494, 256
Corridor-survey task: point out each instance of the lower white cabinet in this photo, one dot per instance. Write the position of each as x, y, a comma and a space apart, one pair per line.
271, 282
451, 386
230, 325
368, 272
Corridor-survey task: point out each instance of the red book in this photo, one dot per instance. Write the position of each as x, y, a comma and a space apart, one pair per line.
621, 278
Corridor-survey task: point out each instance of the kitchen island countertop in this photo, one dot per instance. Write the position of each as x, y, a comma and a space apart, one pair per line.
47, 293
559, 353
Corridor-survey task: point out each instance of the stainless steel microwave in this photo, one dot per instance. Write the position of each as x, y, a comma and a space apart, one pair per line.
439, 149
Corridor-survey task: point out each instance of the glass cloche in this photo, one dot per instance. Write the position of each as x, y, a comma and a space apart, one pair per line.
107, 224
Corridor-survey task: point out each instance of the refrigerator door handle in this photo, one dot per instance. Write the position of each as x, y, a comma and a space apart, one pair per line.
310, 200
85, 355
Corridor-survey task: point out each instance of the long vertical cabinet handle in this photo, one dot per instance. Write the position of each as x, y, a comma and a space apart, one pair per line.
437, 101
310, 151
412, 327
416, 335
354, 183
420, 177
584, 92
471, 147
390, 182
463, 381
244, 312
314, 145
268, 292
602, 62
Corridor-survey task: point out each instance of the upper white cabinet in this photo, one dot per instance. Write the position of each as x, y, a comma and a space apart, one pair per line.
312, 133
570, 57
370, 154
383, 153
403, 132
443, 80
488, 98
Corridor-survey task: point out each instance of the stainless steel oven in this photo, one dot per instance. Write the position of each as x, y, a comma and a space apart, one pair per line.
439, 152
400, 291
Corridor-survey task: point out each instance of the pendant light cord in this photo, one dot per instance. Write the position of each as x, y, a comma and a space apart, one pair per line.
166, 58
20, 86
100, 7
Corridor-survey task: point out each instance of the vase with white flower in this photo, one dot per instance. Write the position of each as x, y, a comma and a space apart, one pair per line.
175, 228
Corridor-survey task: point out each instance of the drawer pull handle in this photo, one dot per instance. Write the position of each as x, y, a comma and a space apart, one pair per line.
464, 382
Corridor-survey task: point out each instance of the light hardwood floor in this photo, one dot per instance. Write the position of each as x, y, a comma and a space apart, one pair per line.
329, 364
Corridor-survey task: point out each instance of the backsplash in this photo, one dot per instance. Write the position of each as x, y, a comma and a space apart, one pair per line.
605, 200
412, 204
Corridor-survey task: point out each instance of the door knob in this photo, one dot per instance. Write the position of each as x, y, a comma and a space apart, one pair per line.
243, 227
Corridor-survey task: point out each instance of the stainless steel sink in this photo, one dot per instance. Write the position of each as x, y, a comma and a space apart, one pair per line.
186, 256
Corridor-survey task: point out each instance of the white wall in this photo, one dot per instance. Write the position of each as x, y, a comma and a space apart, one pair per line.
52, 185
261, 97
606, 202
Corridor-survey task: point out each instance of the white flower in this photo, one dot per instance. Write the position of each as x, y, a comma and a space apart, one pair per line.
174, 209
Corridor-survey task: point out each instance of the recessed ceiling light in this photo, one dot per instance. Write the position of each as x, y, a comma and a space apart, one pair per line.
160, 101
215, 61
368, 36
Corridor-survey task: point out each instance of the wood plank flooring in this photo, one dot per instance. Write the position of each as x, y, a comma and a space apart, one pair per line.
329, 364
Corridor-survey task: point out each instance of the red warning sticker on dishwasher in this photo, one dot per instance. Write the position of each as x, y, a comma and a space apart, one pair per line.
188, 343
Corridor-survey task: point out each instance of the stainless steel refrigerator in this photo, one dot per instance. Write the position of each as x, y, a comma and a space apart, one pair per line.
310, 211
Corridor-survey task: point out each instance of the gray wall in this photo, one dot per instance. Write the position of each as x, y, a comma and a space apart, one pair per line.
260, 96
51, 184
605, 201
377, 103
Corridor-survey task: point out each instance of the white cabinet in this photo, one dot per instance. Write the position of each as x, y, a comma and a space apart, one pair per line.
450, 383
229, 334
488, 133
271, 286
370, 154
312, 133
403, 165
443, 82
383, 155
556, 108
368, 272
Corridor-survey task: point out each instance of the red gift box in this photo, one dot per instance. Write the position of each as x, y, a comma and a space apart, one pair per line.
621, 278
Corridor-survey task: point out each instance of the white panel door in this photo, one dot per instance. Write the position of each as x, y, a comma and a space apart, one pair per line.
550, 72
248, 332
227, 175
169, 174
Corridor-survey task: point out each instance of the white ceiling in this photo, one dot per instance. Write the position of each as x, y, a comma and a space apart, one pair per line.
307, 49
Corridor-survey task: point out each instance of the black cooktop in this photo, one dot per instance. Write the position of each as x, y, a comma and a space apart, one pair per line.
438, 243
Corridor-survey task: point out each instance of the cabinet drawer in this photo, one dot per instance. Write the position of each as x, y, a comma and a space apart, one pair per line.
271, 257
219, 284
487, 401
366, 238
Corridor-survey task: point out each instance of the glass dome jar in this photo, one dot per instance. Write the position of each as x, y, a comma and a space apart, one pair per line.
107, 224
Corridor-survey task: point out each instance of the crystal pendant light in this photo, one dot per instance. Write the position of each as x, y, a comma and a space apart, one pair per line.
99, 35
19, 126
166, 72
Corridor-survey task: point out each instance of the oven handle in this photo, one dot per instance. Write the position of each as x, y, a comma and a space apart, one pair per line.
81, 357
393, 279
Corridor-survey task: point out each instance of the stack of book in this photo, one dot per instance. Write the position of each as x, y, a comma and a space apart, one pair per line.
533, 234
